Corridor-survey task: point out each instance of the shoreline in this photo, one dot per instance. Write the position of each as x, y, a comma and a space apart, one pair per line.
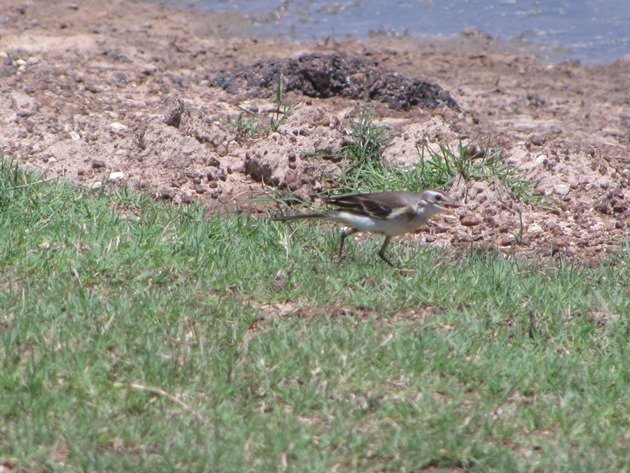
518, 32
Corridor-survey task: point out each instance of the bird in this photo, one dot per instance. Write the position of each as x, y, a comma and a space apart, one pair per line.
386, 213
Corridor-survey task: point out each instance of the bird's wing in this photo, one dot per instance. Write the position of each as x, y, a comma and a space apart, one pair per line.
370, 205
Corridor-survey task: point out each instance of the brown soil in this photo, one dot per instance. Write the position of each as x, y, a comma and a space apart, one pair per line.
123, 92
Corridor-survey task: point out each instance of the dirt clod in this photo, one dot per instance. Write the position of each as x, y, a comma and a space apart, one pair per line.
325, 76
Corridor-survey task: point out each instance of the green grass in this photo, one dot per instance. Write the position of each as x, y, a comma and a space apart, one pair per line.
138, 337
283, 110
366, 171
365, 144
248, 125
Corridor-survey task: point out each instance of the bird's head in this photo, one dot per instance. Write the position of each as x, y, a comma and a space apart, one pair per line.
437, 201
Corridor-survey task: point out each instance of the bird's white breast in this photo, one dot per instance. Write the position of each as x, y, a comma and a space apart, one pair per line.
387, 226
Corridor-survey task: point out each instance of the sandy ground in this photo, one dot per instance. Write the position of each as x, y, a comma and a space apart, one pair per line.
125, 93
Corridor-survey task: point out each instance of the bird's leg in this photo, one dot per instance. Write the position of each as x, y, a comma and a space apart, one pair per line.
381, 253
345, 233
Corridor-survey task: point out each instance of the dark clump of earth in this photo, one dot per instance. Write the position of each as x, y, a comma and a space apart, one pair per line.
329, 75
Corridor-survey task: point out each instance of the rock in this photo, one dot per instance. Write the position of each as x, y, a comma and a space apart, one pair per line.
540, 160
94, 88
141, 183
174, 116
535, 230
24, 105
535, 100
470, 220
118, 127
562, 189
507, 240
461, 237
474, 151
149, 69
116, 176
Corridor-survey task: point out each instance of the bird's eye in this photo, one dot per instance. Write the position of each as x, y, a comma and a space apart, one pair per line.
438, 197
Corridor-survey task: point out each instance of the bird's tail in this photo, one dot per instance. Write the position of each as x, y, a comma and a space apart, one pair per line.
286, 218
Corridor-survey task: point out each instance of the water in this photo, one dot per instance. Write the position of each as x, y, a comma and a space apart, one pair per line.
592, 31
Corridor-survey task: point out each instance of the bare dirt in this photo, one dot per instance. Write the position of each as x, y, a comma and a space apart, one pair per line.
128, 93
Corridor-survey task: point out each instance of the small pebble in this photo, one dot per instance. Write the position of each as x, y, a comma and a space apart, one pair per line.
118, 127
562, 189
470, 221
535, 229
507, 240
116, 176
